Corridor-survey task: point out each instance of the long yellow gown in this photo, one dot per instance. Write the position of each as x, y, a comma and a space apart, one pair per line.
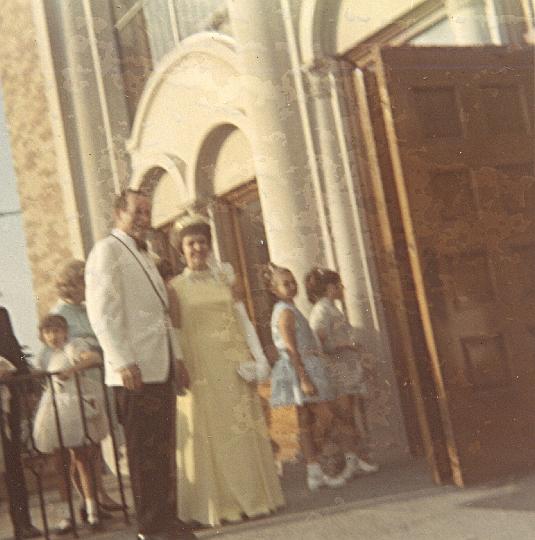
224, 456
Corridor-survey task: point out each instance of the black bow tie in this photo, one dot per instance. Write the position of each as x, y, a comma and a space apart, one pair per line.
141, 244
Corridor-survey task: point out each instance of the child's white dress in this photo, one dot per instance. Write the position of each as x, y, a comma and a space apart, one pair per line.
45, 431
343, 364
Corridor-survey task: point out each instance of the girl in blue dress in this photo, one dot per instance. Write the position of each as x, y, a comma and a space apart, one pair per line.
298, 376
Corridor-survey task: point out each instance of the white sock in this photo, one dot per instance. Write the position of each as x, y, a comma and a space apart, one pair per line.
313, 468
92, 510
64, 523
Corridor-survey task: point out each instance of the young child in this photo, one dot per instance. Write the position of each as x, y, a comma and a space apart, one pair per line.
344, 368
66, 360
298, 376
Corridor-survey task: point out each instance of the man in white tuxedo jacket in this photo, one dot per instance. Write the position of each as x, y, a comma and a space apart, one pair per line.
127, 305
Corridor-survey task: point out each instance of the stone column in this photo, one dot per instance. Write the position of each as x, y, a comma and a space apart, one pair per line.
353, 249
94, 114
287, 196
339, 193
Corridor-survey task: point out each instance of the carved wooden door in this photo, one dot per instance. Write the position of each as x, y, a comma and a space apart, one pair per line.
459, 124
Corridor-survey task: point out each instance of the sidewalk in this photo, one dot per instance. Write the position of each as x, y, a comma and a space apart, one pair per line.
398, 503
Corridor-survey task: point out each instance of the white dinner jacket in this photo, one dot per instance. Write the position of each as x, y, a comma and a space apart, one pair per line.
128, 316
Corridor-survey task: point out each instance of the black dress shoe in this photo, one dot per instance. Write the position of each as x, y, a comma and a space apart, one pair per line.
28, 531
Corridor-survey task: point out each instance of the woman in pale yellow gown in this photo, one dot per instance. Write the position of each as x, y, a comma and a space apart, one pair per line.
225, 463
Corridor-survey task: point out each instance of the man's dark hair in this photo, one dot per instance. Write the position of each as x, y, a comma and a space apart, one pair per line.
121, 200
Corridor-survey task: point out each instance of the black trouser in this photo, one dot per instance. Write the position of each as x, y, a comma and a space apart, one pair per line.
15, 483
148, 419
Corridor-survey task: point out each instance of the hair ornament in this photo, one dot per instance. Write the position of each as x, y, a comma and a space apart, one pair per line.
188, 219
184, 222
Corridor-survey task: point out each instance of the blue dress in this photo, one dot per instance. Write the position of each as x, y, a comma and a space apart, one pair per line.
285, 387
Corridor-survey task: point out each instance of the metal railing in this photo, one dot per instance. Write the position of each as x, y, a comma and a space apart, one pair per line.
22, 389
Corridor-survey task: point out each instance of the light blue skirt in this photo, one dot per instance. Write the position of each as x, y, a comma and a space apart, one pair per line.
285, 387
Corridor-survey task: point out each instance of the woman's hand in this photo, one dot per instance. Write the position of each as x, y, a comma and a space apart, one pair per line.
131, 376
89, 359
307, 386
66, 374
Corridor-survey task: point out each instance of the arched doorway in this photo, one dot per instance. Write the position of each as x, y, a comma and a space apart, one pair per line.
228, 194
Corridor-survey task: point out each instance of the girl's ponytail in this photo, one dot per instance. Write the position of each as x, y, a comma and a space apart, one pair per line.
316, 282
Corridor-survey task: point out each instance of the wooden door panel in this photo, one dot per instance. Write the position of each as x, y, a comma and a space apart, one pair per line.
460, 132
241, 221
417, 389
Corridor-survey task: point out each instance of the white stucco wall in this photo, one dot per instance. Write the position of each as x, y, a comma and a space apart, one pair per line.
234, 163
358, 19
332, 27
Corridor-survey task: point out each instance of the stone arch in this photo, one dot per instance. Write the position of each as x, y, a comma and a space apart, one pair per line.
194, 91
224, 160
318, 25
212, 44
163, 178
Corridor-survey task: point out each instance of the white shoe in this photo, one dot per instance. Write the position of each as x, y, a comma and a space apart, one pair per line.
64, 527
334, 481
316, 478
365, 466
350, 470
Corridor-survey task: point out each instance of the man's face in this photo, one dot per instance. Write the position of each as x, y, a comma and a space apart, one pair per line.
135, 219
